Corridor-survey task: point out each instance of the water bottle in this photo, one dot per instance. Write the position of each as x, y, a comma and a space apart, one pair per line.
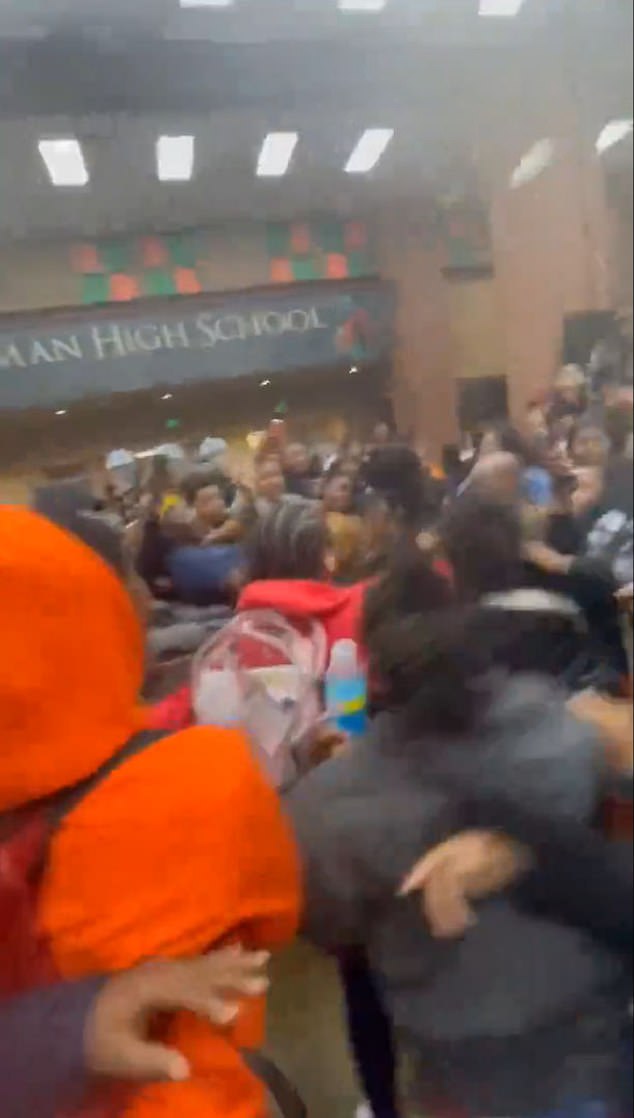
346, 689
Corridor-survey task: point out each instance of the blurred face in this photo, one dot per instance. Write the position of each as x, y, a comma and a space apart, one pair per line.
209, 506
350, 469
269, 481
589, 447
338, 494
381, 434
535, 422
587, 491
296, 459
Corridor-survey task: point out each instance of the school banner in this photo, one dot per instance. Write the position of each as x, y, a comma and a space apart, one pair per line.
70, 357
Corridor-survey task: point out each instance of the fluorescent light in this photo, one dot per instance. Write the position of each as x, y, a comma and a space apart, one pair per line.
369, 150
175, 158
362, 5
613, 133
206, 3
61, 411
167, 396
276, 154
64, 161
500, 9
536, 160
264, 383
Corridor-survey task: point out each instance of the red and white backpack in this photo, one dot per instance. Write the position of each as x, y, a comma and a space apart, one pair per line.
264, 675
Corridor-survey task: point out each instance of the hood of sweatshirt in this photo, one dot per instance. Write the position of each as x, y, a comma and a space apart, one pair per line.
338, 608
72, 652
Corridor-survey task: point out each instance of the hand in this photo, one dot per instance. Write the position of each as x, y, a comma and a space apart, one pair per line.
613, 719
326, 742
116, 1035
625, 597
546, 558
468, 867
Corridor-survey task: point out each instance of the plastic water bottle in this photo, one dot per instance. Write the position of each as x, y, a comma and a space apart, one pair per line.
346, 689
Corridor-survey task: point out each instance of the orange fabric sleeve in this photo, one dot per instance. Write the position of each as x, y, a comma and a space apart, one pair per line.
183, 847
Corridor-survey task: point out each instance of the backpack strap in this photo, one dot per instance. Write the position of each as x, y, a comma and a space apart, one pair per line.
283, 1094
61, 805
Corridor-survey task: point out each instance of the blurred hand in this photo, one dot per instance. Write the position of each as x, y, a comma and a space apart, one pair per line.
326, 742
468, 867
546, 558
613, 719
625, 597
116, 1038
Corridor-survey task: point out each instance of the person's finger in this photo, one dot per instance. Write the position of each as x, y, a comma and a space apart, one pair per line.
128, 1057
445, 906
417, 878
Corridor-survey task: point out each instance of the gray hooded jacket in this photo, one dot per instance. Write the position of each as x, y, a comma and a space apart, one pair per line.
364, 819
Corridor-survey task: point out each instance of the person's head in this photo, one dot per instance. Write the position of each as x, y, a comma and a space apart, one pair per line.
394, 473
420, 648
381, 434
482, 539
506, 439
269, 479
296, 459
588, 446
337, 492
349, 467
586, 490
204, 491
535, 423
497, 477
569, 388
619, 423
290, 541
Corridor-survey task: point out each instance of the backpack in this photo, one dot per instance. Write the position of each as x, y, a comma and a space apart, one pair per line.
26, 961
263, 674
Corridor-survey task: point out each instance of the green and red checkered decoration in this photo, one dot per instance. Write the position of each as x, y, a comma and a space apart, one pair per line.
318, 250
117, 271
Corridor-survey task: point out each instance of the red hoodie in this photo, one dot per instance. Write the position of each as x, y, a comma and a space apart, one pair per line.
339, 609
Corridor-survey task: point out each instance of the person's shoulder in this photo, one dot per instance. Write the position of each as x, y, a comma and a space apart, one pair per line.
188, 771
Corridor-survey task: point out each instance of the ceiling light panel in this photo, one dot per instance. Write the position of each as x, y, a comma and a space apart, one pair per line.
369, 150
276, 154
206, 3
536, 160
362, 5
175, 158
613, 133
64, 161
500, 9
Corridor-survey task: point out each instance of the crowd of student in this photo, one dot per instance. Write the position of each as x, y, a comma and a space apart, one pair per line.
452, 858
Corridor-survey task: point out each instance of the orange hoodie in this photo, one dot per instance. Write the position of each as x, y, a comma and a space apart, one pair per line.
180, 848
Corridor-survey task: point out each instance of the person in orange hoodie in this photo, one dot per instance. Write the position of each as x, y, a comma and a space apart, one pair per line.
178, 846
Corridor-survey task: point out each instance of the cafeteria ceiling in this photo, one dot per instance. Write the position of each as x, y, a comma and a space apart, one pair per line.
117, 75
